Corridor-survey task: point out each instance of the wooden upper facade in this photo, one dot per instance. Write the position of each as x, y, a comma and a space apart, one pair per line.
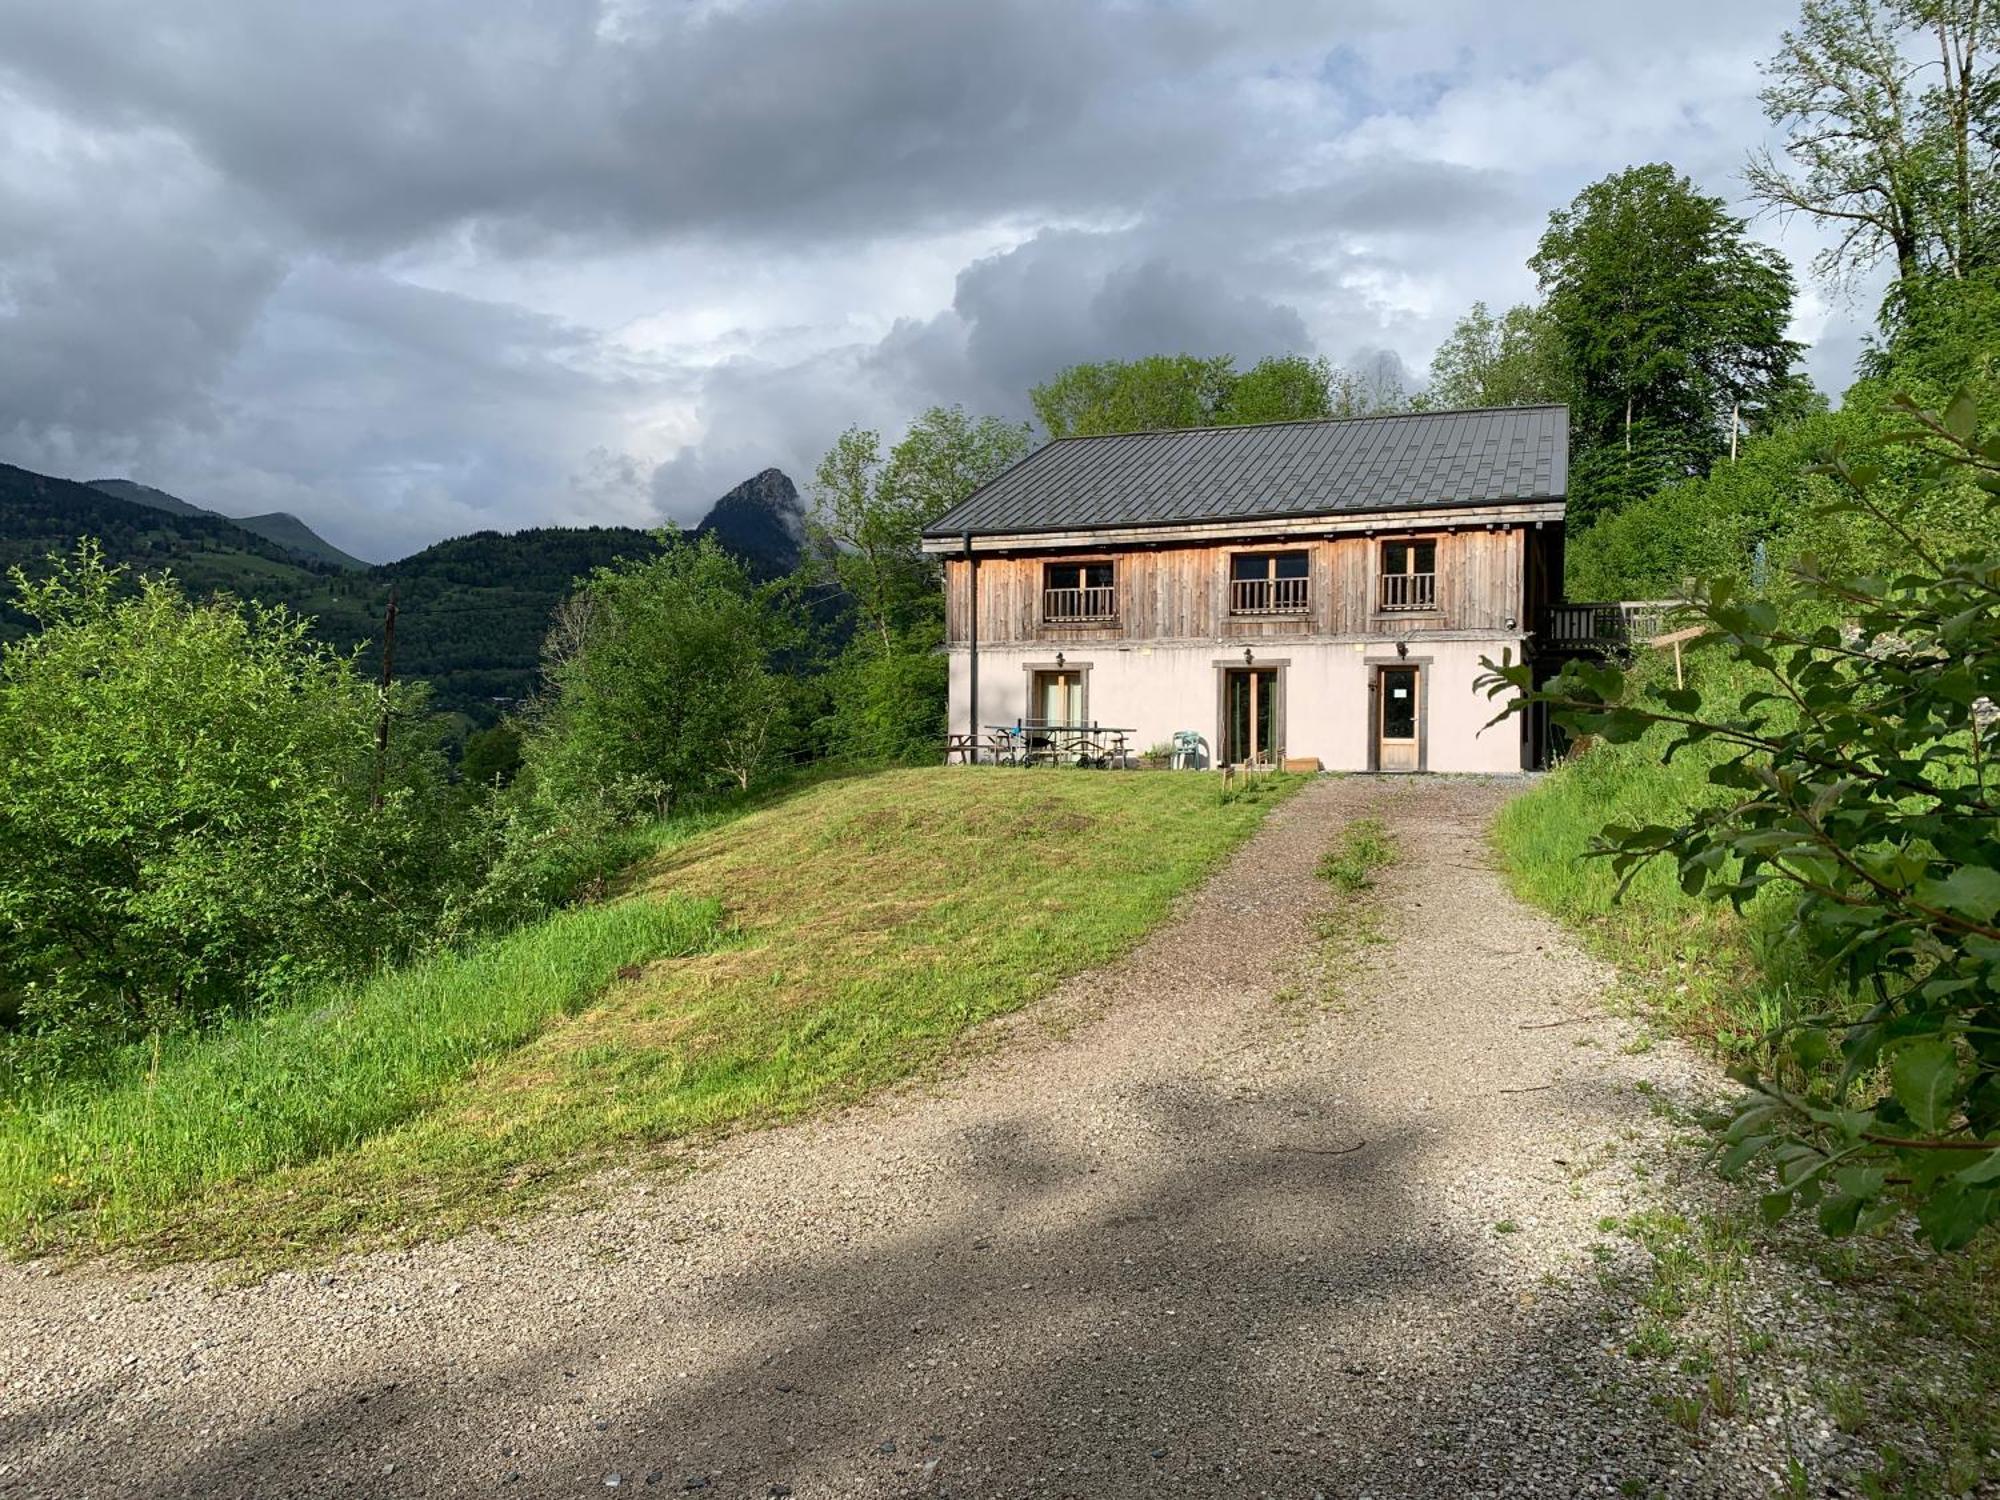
1491, 578
1438, 522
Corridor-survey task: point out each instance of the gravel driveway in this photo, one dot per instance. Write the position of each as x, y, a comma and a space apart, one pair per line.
1188, 1231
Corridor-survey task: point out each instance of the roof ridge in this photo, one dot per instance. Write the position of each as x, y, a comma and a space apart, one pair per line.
1379, 416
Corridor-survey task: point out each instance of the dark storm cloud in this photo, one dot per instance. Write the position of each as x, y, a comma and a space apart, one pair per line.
415, 269
373, 124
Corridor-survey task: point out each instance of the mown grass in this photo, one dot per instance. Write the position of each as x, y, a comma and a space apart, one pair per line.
872, 920
103, 1157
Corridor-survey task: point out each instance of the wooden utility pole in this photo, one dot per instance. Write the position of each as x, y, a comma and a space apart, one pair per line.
382, 706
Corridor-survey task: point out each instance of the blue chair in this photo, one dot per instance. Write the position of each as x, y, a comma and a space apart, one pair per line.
1189, 751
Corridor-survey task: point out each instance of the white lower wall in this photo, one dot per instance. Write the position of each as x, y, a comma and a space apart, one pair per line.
1156, 690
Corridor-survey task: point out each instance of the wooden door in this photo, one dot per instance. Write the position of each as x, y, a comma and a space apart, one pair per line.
1399, 721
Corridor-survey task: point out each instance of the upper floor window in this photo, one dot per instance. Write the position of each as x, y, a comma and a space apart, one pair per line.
1409, 575
1270, 583
1078, 593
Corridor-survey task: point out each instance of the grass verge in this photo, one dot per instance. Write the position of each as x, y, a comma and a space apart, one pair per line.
1914, 1375
874, 919
105, 1158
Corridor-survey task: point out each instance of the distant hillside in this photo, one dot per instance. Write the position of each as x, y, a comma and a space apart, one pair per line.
279, 526
472, 611
40, 515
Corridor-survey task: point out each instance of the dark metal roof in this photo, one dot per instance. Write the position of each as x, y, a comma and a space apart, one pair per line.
1274, 470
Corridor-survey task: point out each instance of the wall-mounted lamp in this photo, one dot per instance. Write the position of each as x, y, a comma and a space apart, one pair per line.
1512, 623
1059, 661
1402, 648
1247, 657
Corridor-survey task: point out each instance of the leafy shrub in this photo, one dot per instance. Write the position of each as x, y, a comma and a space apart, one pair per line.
1859, 781
190, 813
887, 703
660, 688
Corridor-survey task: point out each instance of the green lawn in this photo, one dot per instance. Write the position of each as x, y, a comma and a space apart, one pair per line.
866, 924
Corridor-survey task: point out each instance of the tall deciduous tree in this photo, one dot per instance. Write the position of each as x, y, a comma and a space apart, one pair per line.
1515, 359
870, 510
660, 685
1671, 323
1165, 391
1891, 110
887, 691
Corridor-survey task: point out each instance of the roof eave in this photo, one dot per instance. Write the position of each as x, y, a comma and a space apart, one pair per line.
1511, 512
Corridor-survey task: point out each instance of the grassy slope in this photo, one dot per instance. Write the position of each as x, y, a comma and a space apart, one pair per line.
874, 919
111, 1159
1719, 977
1723, 981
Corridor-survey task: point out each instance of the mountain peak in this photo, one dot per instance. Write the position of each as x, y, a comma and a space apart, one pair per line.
762, 521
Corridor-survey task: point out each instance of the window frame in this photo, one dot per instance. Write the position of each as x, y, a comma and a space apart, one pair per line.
1082, 566
1269, 581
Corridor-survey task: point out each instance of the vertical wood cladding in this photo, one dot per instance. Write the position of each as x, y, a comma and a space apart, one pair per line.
1182, 593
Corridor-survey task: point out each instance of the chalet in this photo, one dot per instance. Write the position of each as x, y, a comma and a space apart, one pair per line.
1314, 591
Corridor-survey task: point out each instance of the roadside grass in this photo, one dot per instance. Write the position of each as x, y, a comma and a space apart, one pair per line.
103, 1158
1919, 1382
872, 920
1708, 973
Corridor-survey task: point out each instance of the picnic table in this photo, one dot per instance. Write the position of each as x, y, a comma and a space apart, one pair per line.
1046, 742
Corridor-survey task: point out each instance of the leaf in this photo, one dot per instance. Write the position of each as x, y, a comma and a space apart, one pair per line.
1986, 1169
1837, 1216
1971, 891
1961, 416
1953, 1215
1925, 1076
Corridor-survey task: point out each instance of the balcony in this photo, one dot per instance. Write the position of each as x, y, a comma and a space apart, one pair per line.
1270, 596
1408, 591
1097, 605
1606, 627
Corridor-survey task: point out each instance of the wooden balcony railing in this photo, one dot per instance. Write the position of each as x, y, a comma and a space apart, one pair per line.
1606, 626
1409, 591
1086, 606
1270, 596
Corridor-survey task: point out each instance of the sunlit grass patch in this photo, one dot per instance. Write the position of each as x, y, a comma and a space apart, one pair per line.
870, 922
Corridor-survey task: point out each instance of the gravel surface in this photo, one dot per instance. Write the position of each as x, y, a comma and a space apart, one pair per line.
1192, 1229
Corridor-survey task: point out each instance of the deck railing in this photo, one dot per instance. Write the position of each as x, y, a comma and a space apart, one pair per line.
1409, 591
1270, 596
1080, 606
1606, 625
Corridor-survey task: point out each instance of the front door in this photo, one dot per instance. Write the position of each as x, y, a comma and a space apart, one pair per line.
1252, 730
1058, 697
1399, 719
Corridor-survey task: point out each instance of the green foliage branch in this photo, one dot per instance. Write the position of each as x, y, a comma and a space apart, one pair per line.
1860, 777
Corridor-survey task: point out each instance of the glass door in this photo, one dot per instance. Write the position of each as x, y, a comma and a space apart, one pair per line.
1400, 724
1250, 715
1059, 697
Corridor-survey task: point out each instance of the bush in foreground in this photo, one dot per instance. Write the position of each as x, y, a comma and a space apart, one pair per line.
193, 812
1857, 779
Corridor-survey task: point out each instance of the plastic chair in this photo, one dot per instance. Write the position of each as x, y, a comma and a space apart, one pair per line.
1187, 752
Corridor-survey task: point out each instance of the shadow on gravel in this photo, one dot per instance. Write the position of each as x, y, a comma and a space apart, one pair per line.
1264, 1314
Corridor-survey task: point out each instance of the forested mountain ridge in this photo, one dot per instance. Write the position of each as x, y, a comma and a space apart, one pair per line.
279, 526
471, 611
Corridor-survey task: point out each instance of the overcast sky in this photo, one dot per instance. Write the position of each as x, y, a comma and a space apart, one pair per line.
409, 270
